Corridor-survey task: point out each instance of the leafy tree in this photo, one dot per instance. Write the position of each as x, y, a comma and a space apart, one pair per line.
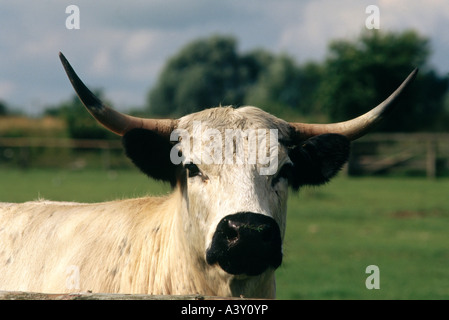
210, 72
206, 73
201, 75
287, 89
361, 74
3, 108
277, 86
309, 78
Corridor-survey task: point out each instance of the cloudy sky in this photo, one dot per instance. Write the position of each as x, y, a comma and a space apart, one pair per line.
121, 47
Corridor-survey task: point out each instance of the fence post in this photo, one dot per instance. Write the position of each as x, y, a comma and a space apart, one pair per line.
431, 158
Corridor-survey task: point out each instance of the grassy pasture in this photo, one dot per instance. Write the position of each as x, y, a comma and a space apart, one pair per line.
333, 232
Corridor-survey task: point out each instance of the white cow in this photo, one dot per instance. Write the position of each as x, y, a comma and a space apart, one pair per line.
219, 232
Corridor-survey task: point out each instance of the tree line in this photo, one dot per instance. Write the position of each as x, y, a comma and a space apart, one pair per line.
355, 75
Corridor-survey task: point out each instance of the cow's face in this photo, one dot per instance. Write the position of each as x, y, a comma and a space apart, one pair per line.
233, 167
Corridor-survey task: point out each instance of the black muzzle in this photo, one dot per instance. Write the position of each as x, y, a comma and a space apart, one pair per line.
246, 243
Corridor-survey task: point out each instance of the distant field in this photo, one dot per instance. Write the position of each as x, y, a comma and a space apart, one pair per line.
333, 232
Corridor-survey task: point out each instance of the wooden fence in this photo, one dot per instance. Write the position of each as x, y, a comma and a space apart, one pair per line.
408, 153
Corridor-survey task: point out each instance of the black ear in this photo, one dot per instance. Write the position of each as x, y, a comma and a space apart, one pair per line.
150, 152
318, 159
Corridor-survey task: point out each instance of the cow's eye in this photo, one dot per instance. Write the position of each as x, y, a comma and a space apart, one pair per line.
193, 170
284, 172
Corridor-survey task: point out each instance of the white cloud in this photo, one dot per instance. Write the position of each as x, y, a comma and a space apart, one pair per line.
6, 89
41, 46
138, 44
320, 22
426, 16
102, 64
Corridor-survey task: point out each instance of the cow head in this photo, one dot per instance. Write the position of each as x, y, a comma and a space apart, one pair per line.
233, 168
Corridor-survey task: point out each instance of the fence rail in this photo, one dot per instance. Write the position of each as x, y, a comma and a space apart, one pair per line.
66, 153
60, 143
381, 152
19, 295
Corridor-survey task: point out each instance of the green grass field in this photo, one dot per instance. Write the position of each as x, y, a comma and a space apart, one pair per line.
333, 232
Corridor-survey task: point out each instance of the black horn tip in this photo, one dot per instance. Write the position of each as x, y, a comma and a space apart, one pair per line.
86, 96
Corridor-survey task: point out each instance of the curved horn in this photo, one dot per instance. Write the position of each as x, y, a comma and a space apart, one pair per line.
115, 121
357, 127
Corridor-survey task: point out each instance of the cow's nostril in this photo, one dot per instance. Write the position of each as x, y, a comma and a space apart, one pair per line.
237, 231
231, 232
